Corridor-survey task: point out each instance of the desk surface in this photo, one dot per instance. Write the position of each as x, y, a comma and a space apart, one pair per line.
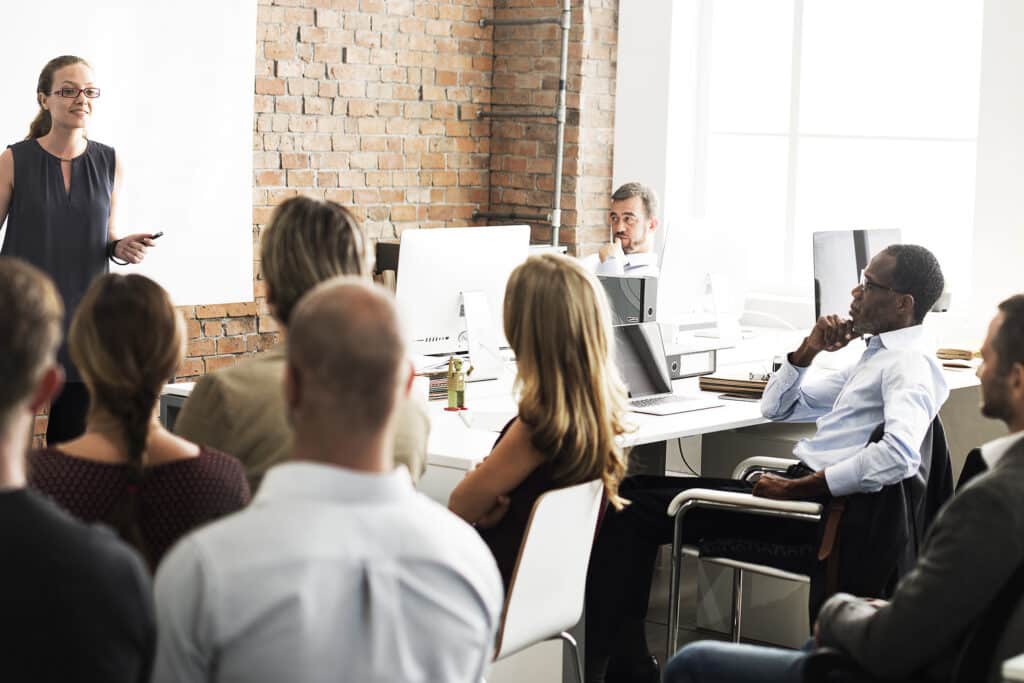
456, 445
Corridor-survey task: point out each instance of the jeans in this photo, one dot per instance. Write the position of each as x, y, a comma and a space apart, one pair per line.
711, 661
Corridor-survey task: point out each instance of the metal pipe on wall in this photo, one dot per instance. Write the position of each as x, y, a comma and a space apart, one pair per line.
565, 22
563, 75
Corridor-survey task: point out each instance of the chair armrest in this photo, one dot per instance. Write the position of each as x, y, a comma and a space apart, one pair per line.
761, 464
713, 498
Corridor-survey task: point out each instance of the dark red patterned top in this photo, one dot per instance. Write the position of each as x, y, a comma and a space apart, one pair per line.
174, 498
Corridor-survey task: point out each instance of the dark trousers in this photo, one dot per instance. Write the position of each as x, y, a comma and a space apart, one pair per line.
67, 414
622, 561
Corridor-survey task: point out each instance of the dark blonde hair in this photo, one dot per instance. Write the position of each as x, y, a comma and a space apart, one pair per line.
42, 123
31, 313
309, 241
571, 397
127, 340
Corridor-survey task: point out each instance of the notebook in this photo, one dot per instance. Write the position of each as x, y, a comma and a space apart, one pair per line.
640, 356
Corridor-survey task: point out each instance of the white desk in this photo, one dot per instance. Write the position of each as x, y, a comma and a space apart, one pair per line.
454, 448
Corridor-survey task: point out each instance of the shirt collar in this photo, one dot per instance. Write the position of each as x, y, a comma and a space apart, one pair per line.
912, 337
643, 258
994, 450
305, 480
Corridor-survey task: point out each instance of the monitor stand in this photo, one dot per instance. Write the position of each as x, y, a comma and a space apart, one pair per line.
482, 340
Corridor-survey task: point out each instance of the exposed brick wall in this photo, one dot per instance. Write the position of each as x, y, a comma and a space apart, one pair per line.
373, 103
526, 71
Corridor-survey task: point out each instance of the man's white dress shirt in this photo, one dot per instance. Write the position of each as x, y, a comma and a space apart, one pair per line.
634, 265
993, 451
897, 381
329, 575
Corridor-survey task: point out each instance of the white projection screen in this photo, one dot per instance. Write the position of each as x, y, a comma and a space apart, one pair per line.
177, 105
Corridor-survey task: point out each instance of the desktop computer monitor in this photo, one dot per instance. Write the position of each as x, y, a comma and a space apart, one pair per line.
839, 256
436, 266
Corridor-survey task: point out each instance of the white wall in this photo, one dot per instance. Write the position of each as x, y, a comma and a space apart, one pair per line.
177, 105
645, 86
998, 241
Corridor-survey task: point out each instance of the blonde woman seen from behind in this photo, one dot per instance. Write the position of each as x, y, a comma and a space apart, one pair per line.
572, 404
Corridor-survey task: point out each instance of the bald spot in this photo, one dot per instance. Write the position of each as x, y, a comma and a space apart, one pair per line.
346, 343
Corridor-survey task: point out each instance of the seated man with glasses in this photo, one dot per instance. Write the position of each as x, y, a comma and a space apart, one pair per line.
897, 381
633, 220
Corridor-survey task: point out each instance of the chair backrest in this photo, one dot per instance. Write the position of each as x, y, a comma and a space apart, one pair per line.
880, 533
547, 587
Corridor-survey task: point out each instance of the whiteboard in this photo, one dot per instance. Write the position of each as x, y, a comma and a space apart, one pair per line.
177, 105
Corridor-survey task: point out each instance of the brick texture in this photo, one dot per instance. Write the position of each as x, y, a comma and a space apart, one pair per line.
373, 104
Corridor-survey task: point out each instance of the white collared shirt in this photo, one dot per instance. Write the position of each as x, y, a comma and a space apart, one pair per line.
329, 575
994, 450
634, 265
897, 381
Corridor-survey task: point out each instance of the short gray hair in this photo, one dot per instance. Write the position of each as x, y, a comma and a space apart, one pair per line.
630, 190
346, 340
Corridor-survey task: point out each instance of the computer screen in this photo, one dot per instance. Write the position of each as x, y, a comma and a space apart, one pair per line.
437, 265
839, 256
640, 357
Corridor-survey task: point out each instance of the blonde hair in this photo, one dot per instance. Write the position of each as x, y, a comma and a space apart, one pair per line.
127, 339
309, 241
571, 395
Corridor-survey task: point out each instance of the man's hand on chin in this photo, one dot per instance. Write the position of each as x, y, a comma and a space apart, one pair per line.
612, 250
780, 488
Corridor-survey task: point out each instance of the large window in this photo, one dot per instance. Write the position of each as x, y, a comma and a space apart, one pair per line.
833, 114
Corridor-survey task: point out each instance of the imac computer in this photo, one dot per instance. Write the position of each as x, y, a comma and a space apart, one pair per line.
839, 256
451, 286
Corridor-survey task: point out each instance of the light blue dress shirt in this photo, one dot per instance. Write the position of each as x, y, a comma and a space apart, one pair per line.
329, 575
897, 381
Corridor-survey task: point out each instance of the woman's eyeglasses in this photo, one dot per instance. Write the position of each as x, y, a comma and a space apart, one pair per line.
72, 93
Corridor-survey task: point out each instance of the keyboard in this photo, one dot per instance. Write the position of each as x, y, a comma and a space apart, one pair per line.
658, 401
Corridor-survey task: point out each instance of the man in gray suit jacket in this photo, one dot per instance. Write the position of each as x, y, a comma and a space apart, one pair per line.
975, 545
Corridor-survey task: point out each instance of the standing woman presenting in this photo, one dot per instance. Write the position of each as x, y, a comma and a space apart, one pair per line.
58, 193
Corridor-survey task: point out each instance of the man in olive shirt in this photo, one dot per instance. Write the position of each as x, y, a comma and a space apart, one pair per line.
75, 602
240, 410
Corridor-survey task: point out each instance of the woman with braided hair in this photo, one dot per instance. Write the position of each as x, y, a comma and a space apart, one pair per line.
127, 340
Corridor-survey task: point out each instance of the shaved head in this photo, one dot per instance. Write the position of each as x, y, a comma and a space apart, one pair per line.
345, 346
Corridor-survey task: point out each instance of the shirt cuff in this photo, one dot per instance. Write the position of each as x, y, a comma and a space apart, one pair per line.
843, 478
610, 266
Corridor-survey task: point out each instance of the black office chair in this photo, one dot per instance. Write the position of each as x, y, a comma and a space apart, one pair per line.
875, 543
979, 651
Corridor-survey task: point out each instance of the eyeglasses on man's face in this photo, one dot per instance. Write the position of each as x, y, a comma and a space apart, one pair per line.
71, 93
867, 284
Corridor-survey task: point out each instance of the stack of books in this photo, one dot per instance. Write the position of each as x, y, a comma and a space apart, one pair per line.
735, 384
955, 354
438, 384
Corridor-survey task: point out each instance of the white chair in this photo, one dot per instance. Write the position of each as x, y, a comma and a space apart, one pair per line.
741, 502
545, 599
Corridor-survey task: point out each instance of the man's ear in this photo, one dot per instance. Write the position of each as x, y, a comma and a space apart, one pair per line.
406, 387
654, 224
47, 388
1015, 382
905, 304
